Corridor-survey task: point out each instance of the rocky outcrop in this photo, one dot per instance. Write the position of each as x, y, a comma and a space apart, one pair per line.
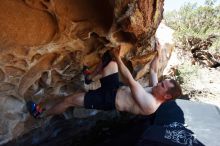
45, 43
200, 51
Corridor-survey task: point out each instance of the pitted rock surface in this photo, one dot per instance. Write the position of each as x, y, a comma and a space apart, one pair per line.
45, 43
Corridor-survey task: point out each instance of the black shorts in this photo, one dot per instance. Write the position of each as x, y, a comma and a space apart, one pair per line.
103, 98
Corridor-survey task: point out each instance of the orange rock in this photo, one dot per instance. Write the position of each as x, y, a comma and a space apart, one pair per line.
35, 72
45, 43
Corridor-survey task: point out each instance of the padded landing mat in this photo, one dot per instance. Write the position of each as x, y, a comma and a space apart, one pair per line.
183, 122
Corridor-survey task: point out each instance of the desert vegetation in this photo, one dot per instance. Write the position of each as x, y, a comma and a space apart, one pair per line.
197, 38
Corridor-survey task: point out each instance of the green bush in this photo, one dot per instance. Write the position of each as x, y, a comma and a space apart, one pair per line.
196, 21
187, 72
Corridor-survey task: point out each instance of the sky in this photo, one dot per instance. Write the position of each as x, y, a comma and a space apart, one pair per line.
170, 5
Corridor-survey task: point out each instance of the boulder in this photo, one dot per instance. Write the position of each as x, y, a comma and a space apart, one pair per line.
45, 43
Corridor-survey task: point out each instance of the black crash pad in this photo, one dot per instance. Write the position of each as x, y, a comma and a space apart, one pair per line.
183, 122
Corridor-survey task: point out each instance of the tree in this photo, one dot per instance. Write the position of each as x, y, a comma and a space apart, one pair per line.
196, 21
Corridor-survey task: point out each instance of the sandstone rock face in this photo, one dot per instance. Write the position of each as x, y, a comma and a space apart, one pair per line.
45, 43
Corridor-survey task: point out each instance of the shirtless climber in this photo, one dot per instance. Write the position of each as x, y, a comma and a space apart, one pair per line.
132, 98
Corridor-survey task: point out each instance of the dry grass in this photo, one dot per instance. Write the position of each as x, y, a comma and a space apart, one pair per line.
198, 83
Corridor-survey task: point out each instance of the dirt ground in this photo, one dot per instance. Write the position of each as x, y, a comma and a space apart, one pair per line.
199, 83
207, 87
